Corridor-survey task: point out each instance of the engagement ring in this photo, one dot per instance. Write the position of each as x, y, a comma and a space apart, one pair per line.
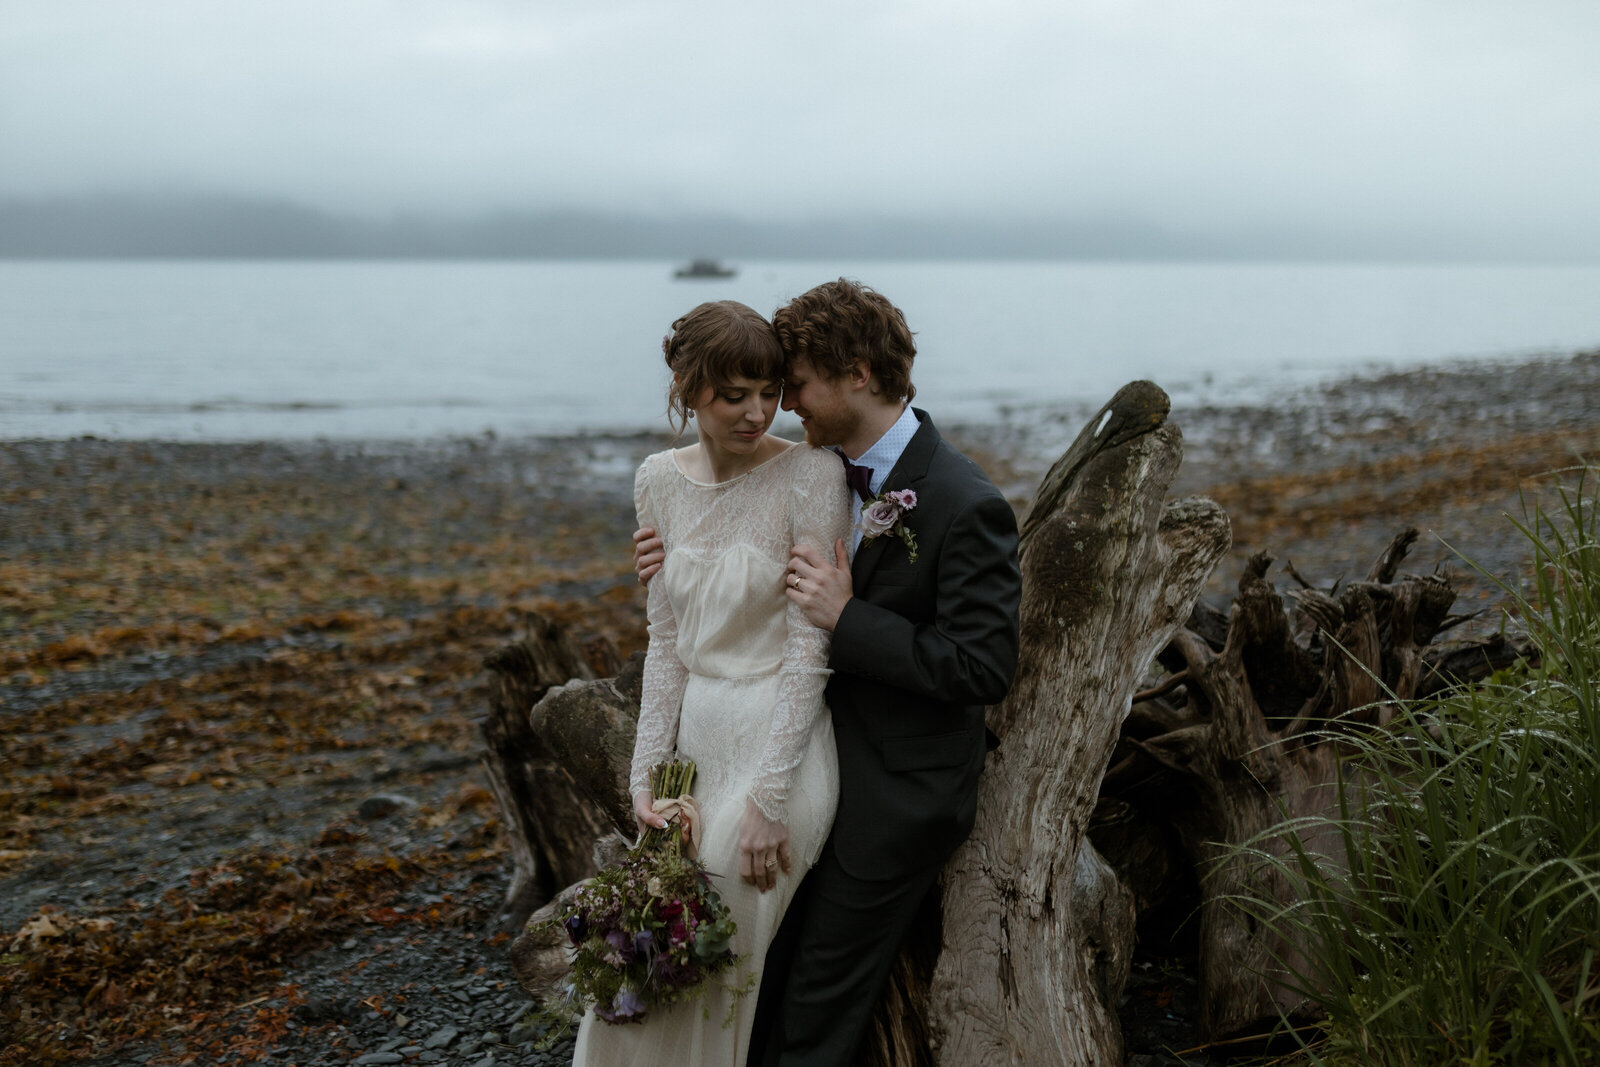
771, 863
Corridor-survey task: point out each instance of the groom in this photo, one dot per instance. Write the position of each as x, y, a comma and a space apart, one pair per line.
924, 622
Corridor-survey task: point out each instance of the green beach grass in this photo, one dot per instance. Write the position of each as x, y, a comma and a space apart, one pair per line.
1459, 923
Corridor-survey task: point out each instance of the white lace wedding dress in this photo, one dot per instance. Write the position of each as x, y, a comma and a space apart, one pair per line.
733, 679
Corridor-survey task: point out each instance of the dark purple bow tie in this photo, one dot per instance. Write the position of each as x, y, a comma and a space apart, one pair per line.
858, 478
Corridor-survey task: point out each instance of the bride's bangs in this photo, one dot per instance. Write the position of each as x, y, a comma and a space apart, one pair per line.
759, 363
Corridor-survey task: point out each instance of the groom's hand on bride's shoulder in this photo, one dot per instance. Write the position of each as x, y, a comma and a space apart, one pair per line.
649, 552
820, 587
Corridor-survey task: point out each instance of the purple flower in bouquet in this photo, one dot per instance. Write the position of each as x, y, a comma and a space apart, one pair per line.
644, 943
627, 1006
629, 1003
577, 929
619, 940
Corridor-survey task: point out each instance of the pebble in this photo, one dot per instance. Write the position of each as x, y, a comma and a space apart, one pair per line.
383, 805
380, 1057
441, 1037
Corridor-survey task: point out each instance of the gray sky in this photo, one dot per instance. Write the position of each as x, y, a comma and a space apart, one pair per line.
1433, 116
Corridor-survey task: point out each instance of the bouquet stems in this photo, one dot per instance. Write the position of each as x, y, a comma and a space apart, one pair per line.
667, 781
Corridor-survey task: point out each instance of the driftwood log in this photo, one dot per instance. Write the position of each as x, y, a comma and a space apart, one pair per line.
1038, 931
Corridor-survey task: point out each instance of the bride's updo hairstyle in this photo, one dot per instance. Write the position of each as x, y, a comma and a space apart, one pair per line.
711, 346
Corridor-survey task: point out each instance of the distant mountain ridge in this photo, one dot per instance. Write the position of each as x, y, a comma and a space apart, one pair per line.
222, 226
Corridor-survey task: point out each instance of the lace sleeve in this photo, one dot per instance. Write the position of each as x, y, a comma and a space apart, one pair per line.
664, 673
820, 515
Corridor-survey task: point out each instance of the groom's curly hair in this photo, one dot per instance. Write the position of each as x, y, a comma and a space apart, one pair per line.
838, 323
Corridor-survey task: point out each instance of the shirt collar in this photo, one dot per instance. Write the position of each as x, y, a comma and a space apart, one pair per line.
886, 451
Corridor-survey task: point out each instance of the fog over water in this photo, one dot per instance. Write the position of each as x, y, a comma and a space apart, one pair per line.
1156, 128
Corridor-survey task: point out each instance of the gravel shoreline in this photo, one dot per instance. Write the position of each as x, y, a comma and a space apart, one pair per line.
272, 650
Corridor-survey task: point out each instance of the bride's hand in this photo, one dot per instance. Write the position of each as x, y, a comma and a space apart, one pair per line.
643, 816
763, 848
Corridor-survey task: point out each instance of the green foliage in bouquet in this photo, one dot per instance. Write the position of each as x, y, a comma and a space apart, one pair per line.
650, 931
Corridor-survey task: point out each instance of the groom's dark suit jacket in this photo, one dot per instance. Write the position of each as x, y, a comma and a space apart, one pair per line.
920, 650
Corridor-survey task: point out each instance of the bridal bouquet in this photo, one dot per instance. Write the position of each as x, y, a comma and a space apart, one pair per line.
650, 931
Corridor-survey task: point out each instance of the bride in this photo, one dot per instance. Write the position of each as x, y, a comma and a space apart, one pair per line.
734, 674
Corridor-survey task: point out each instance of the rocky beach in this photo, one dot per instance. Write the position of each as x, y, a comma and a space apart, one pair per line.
242, 816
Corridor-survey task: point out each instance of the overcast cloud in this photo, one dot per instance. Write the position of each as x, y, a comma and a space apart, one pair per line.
1450, 116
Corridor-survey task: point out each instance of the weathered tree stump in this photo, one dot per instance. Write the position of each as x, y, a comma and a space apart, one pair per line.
1244, 733
588, 726
551, 824
1037, 929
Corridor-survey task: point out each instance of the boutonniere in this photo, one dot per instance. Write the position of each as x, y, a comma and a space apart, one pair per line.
885, 514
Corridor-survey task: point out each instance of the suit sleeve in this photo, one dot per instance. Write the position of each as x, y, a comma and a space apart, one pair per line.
967, 654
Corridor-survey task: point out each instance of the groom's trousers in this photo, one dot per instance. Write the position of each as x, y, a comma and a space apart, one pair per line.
837, 955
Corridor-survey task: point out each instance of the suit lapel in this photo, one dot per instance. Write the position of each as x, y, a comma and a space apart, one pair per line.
910, 469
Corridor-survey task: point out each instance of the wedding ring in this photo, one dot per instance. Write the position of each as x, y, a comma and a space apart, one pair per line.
771, 864
794, 580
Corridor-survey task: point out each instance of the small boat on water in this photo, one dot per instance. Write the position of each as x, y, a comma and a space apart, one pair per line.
705, 268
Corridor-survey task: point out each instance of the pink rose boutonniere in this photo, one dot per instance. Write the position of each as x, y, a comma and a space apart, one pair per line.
885, 514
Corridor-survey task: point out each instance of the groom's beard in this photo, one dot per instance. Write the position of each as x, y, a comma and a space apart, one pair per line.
824, 431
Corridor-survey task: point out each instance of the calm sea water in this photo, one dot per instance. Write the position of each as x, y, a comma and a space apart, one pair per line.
243, 350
